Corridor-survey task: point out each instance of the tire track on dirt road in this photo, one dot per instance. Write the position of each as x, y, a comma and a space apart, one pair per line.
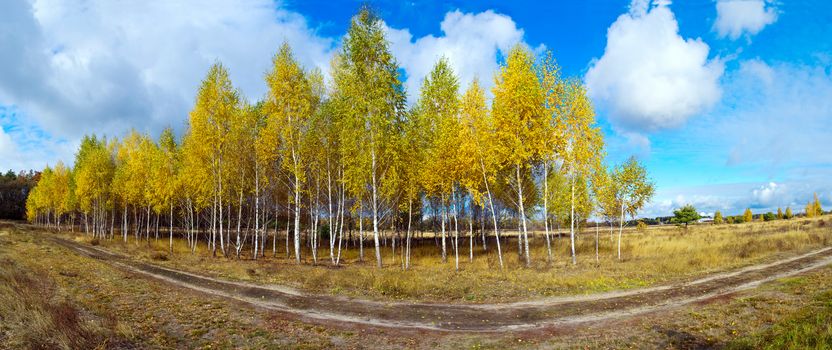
519, 316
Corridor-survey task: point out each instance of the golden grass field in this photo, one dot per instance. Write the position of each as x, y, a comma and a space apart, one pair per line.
652, 256
51, 297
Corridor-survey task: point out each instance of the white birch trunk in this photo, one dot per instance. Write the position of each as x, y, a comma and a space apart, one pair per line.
620, 230
170, 228
409, 220
456, 228
546, 209
494, 219
256, 209
297, 220
523, 219
375, 210
572, 220
361, 231
444, 214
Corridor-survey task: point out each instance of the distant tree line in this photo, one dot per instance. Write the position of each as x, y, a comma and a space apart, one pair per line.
688, 214
14, 189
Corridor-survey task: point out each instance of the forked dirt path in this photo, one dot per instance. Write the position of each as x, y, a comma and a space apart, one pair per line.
520, 316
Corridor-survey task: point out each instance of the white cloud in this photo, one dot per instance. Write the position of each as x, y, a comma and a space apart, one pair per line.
97, 66
102, 66
738, 17
650, 77
769, 194
471, 43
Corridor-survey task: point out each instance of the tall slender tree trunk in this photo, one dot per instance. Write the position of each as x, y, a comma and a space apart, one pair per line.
332, 229
147, 225
572, 220
125, 223
222, 241
523, 218
444, 214
112, 222
213, 241
288, 222
546, 209
136, 223
620, 230
274, 239
482, 229
471, 233
297, 219
312, 234
170, 227
238, 247
257, 242
341, 214
361, 231
493, 214
409, 220
156, 229
456, 228
375, 209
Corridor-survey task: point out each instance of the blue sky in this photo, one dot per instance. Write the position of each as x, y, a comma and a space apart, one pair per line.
728, 103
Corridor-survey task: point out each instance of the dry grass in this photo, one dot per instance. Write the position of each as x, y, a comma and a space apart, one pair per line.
790, 312
122, 310
655, 255
34, 314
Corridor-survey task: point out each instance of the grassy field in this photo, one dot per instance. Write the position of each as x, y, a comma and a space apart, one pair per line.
53, 298
652, 256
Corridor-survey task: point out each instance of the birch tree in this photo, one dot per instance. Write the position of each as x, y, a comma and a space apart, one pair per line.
636, 191
553, 134
289, 107
369, 81
94, 169
437, 120
583, 144
210, 123
520, 124
166, 165
479, 160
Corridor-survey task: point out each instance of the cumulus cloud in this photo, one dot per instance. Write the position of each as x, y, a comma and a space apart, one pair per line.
471, 43
650, 77
102, 66
737, 17
794, 194
734, 198
70, 68
769, 194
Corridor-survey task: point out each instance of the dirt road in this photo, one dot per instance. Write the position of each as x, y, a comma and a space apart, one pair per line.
520, 316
